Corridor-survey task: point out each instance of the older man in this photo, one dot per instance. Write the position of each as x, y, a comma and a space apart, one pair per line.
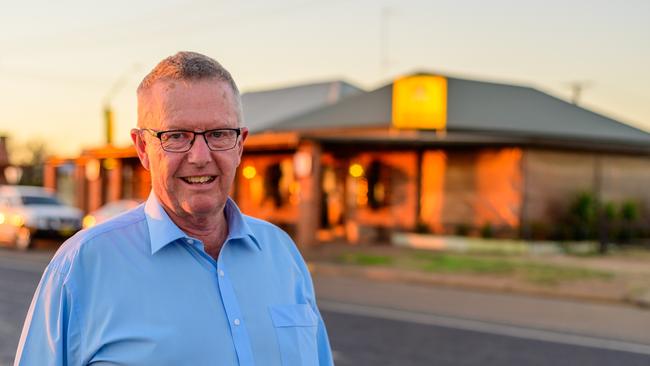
184, 279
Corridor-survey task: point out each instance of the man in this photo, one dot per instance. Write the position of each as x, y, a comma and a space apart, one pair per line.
184, 279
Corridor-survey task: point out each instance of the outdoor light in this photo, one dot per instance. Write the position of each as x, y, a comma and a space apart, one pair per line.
17, 220
356, 170
249, 172
110, 163
302, 164
13, 174
88, 221
92, 169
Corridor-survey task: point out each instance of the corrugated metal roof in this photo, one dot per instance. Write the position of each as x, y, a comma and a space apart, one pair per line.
372, 108
268, 107
483, 106
480, 106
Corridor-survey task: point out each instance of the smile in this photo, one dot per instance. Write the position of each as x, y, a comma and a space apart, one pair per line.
202, 179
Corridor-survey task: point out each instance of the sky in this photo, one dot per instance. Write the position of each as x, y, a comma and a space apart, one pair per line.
60, 62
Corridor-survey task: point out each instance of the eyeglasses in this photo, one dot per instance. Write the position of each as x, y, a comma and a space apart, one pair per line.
182, 140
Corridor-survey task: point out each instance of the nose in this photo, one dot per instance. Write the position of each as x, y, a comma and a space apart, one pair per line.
199, 153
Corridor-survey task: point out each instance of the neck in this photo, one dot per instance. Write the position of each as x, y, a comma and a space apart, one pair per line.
211, 230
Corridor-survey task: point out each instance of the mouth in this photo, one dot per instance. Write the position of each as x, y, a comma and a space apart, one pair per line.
199, 179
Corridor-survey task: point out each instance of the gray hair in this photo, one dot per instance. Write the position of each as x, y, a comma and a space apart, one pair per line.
191, 66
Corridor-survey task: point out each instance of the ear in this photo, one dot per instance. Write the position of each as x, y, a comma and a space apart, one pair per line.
140, 147
240, 143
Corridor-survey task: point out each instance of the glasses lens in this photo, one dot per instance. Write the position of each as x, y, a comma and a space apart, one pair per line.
176, 140
221, 139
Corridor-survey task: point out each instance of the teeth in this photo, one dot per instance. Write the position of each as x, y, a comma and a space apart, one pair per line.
198, 180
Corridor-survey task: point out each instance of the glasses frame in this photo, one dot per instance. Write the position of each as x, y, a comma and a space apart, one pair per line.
158, 134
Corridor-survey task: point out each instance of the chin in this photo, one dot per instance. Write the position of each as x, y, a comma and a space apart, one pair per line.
202, 206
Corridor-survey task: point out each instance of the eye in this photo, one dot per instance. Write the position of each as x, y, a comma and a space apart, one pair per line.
175, 135
215, 134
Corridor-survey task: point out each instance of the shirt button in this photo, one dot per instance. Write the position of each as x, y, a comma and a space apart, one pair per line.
236, 321
189, 241
221, 273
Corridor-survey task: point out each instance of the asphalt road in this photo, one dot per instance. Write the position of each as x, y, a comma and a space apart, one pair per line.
374, 323
361, 340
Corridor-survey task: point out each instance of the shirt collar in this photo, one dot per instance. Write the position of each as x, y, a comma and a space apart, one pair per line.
162, 230
237, 226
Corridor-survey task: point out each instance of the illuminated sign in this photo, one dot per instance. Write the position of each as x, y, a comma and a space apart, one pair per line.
420, 102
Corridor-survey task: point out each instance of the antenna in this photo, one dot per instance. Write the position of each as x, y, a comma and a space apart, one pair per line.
576, 89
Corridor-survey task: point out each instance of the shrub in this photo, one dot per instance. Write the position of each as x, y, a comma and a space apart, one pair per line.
487, 231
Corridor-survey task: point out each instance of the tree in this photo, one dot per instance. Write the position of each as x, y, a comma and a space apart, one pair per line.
30, 155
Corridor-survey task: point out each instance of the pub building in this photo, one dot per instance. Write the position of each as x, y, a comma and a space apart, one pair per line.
425, 153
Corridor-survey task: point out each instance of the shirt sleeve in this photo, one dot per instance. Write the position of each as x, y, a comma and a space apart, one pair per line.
48, 329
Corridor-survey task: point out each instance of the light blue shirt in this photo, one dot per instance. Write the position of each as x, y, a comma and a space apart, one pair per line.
137, 290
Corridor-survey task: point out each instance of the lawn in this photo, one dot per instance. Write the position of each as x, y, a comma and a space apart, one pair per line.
447, 263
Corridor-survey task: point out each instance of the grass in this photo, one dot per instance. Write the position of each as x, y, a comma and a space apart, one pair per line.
446, 263
541, 274
545, 274
631, 251
365, 259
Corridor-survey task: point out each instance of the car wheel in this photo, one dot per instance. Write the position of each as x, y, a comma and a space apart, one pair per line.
23, 238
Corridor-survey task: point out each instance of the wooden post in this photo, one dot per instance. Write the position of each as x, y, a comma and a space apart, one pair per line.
310, 193
49, 176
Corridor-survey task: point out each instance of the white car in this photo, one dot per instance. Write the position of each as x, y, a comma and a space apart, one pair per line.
107, 211
27, 212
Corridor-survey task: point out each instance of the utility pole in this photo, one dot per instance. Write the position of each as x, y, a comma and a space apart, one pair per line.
108, 110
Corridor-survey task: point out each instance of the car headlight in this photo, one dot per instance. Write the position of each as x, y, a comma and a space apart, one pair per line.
17, 220
88, 221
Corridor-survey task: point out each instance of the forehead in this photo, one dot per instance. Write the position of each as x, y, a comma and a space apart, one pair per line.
171, 104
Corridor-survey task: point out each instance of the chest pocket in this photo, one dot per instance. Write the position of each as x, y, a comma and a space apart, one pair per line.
295, 327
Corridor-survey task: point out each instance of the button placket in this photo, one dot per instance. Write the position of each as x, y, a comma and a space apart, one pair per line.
239, 332
232, 314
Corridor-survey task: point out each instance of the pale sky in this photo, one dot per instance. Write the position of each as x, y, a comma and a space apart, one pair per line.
59, 60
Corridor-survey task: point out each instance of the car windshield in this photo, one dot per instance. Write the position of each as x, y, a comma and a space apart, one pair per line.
39, 200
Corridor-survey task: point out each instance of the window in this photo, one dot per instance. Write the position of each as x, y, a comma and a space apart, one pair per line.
39, 200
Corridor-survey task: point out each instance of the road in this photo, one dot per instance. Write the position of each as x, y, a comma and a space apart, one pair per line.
375, 323
379, 323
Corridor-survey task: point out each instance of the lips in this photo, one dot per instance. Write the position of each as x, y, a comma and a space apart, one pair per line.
199, 179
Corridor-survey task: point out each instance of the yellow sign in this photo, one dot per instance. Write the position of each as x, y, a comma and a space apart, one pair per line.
420, 102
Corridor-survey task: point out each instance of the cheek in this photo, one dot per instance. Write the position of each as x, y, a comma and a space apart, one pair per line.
228, 164
162, 169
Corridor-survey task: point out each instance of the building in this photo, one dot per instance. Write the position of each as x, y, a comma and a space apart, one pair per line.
439, 154
427, 153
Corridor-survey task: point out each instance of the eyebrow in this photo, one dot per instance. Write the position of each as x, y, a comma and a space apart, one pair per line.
197, 130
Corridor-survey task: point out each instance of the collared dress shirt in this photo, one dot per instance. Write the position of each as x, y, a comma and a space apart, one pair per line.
137, 290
